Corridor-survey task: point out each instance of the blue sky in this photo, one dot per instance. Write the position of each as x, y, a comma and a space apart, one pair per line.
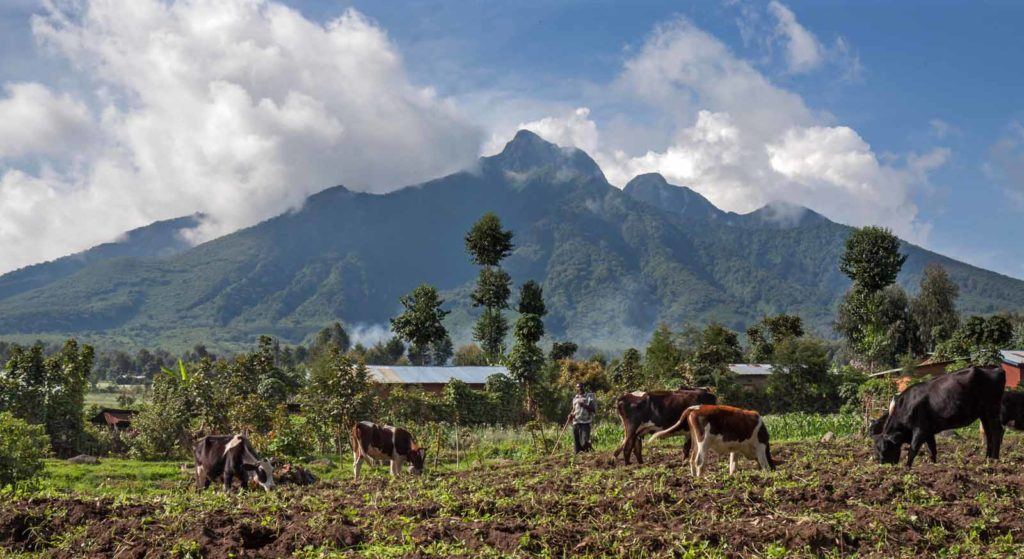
903, 114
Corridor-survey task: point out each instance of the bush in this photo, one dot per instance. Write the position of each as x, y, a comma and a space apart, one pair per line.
289, 438
22, 449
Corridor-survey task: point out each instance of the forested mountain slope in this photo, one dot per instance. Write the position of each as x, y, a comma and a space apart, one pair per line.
613, 263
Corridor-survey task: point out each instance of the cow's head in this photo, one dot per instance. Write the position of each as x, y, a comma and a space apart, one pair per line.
417, 457
888, 447
262, 472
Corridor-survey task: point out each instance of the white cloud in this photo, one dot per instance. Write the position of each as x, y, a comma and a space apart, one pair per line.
33, 120
743, 142
575, 129
1006, 162
236, 108
803, 51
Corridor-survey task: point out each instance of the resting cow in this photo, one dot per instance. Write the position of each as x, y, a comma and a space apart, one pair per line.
723, 429
394, 444
947, 402
228, 457
647, 412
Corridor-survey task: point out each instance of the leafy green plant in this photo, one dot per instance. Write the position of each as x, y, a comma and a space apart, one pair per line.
22, 449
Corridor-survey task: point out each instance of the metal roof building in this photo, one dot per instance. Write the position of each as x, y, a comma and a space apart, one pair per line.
751, 373
433, 378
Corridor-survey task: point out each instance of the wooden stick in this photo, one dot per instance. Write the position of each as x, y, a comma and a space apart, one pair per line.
558, 441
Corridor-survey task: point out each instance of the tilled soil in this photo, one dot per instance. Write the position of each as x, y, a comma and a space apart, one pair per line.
824, 499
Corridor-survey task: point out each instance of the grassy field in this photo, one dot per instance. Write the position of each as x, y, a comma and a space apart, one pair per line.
825, 499
106, 394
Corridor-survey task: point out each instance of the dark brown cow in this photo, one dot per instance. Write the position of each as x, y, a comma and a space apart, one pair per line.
723, 429
392, 444
647, 412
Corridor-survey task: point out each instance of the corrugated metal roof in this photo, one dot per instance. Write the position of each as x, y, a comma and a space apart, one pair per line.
433, 375
753, 369
1012, 356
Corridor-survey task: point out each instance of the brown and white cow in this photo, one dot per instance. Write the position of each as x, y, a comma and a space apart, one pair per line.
723, 429
646, 412
384, 442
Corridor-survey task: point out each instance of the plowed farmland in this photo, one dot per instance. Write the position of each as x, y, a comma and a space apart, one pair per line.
826, 499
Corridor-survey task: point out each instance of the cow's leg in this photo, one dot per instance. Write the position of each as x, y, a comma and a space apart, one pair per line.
916, 441
200, 477
732, 463
762, 456
627, 449
688, 447
932, 450
229, 471
638, 449
357, 465
701, 455
993, 434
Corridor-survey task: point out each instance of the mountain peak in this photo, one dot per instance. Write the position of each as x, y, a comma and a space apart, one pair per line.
785, 215
527, 152
653, 189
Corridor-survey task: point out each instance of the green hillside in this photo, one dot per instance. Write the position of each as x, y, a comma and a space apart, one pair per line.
613, 263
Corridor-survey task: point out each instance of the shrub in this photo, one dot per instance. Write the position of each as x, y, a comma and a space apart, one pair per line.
22, 449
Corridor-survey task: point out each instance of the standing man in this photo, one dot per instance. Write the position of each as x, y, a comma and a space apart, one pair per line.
584, 406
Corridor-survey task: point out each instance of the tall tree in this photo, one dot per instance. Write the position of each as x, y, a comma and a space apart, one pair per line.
526, 358
332, 336
662, 356
872, 258
934, 308
488, 244
339, 393
874, 316
628, 373
421, 322
769, 332
49, 391
800, 378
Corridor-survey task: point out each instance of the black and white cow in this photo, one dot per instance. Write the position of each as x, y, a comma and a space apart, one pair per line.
231, 456
947, 402
386, 443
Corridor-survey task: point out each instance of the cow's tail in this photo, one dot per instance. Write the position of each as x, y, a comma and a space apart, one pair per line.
683, 423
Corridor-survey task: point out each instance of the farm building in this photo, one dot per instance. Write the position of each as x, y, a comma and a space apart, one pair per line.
751, 375
1013, 363
114, 419
433, 379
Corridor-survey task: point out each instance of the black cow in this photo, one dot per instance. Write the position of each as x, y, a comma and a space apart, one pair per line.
947, 402
1012, 410
228, 457
647, 412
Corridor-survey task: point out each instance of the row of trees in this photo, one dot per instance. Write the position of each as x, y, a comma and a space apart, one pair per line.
883, 326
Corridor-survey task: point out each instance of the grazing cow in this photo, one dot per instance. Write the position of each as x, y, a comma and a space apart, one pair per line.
647, 412
947, 402
723, 429
228, 457
1012, 410
876, 425
394, 444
